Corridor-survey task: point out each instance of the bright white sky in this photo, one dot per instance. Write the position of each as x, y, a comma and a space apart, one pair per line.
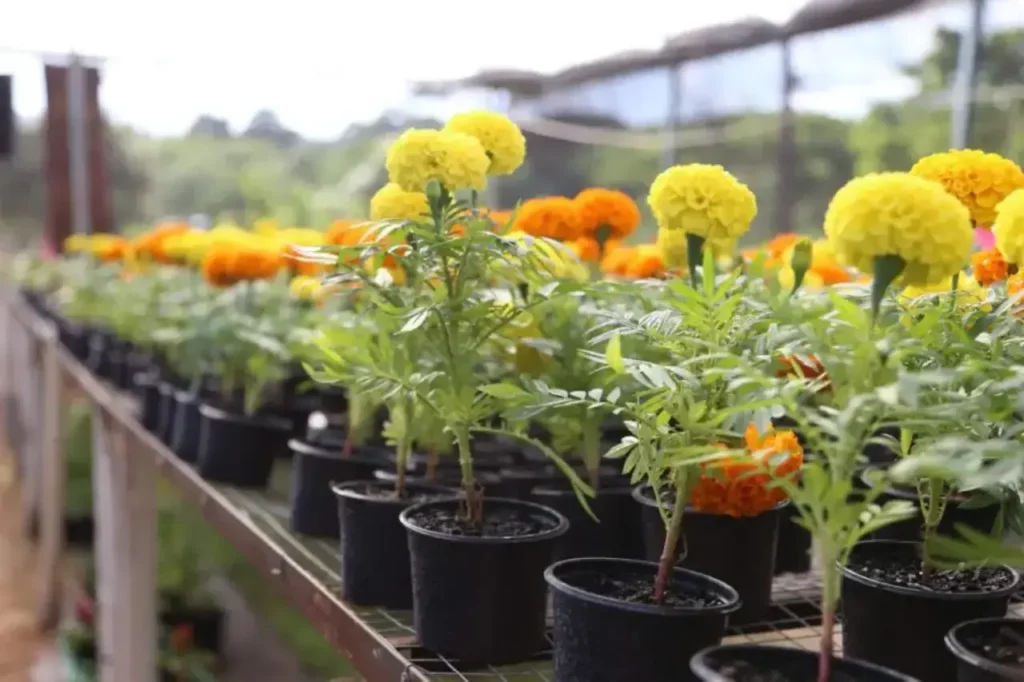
322, 64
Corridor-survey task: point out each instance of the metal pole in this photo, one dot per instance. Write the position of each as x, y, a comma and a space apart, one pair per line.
966, 75
669, 153
78, 148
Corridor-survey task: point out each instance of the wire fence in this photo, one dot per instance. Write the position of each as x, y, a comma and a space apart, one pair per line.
794, 116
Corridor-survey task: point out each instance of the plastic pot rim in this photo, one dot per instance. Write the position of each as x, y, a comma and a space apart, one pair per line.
699, 667
964, 654
260, 421
349, 490
561, 526
301, 447
850, 574
733, 600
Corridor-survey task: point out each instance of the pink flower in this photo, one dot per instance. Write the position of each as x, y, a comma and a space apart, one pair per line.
984, 238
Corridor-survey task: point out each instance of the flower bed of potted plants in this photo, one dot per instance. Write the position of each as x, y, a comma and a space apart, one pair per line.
736, 387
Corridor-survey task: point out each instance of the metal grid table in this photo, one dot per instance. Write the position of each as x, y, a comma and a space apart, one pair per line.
380, 643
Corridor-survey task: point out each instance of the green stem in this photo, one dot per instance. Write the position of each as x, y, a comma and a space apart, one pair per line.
932, 509
474, 503
404, 445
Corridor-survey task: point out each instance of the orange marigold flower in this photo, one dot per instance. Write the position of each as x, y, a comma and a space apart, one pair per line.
300, 263
779, 245
150, 245
740, 486
646, 263
989, 267
113, 250
499, 219
806, 366
1014, 286
552, 217
219, 266
586, 249
616, 258
338, 229
607, 208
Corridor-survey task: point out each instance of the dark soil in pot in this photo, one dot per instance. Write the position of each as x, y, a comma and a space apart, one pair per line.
150, 400
185, 429
207, 624
478, 594
958, 511
616, 533
239, 450
374, 545
754, 663
168, 406
608, 629
739, 551
79, 531
896, 617
314, 509
988, 650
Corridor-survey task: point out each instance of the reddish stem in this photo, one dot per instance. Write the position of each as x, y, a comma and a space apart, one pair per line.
828, 622
433, 462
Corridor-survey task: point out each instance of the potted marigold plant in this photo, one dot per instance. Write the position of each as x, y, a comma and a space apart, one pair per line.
880, 224
558, 387
452, 315
950, 393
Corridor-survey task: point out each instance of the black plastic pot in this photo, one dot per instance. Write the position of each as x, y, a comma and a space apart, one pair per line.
186, 427
75, 338
903, 628
99, 358
314, 509
719, 663
168, 406
519, 482
739, 551
617, 533
79, 531
793, 549
602, 639
451, 478
374, 545
148, 390
967, 641
958, 512
239, 450
207, 624
481, 599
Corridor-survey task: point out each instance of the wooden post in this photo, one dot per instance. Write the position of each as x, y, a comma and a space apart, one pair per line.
30, 391
125, 517
52, 475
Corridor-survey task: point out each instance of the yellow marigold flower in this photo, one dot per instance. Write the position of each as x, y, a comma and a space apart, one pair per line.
672, 244
703, 200
304, 288
456, 160
968, 291
76, 243
500, 138
898, 214
266, 227
391, 202
979, 180
1008, 228
646, 263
